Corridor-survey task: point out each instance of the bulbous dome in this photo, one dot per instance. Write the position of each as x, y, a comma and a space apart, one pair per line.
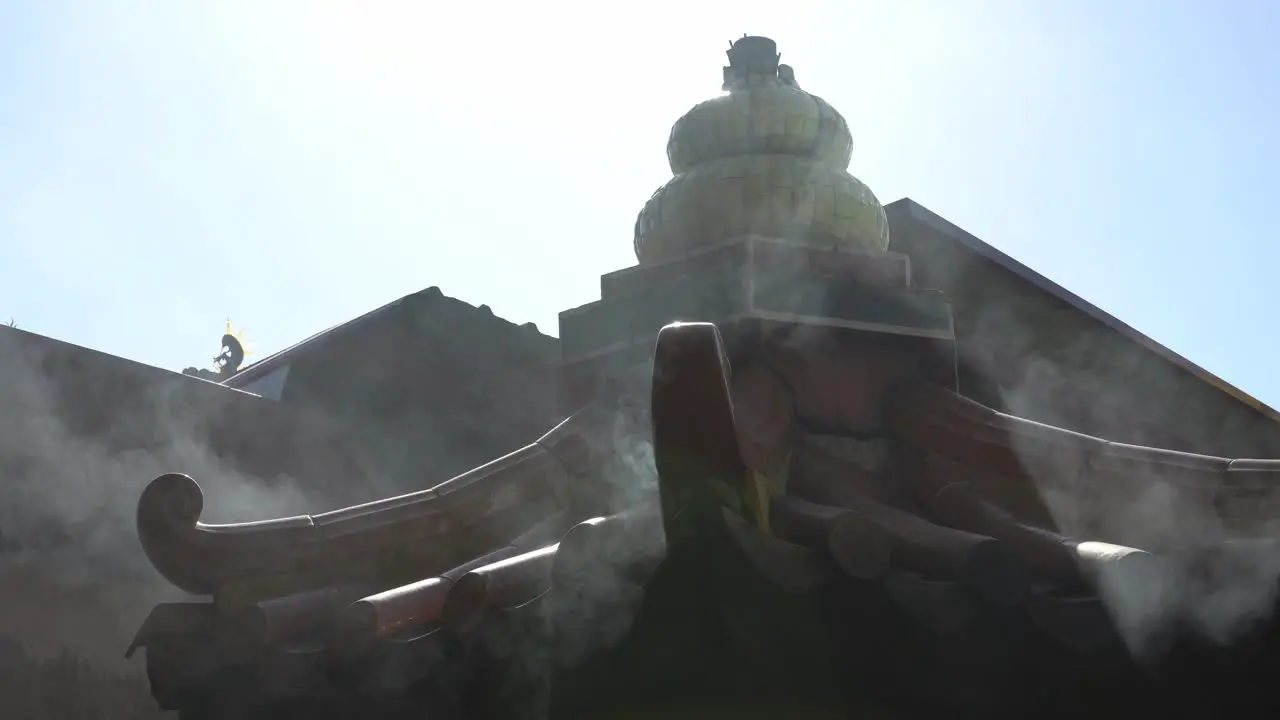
772, 119
781, 196
765, 159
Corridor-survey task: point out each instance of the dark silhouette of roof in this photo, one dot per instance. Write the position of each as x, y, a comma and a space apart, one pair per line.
446, 313
970, 243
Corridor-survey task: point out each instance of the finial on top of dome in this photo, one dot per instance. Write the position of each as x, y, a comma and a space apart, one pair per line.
751, 57
788, 76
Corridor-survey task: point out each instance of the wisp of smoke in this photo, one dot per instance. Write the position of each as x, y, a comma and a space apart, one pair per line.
1208, 581
600, 606
72, 569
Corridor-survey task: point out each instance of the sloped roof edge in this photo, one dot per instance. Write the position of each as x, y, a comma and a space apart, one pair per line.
988, 252
337, 332
47, 343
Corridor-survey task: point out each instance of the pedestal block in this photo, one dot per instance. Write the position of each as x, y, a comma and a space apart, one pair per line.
753, 289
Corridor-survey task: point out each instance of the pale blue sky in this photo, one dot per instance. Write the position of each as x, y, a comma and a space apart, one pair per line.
164, 165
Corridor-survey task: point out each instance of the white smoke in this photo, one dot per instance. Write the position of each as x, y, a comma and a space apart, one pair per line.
597, 607
1210, 581
72, 568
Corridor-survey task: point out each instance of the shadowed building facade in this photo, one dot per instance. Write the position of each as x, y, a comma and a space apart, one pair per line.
865, 361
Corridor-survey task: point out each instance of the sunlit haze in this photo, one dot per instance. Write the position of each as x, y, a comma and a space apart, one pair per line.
167, 165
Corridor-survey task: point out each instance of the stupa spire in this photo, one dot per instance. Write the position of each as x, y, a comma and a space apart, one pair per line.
764, 159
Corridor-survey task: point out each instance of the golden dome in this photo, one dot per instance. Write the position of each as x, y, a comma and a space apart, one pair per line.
765, 159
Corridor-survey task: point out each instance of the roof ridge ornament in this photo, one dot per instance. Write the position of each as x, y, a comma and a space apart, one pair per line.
754, 60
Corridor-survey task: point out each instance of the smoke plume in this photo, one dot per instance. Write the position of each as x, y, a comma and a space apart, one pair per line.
1212, 581
72, 569
596, 608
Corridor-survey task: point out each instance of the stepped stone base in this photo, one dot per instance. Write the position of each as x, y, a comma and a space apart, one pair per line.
750, 288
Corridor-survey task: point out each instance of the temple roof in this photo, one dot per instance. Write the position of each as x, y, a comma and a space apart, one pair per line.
449, 312
445, 310
908, 208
